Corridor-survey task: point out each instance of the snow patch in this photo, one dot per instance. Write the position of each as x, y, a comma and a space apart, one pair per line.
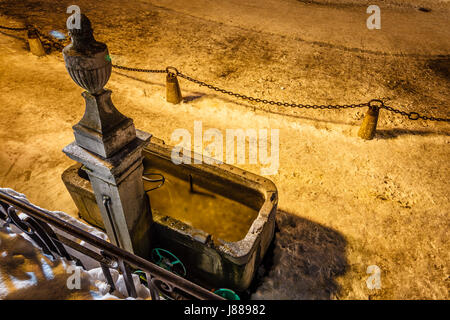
48, 272
21, 255
22, 284
3, 288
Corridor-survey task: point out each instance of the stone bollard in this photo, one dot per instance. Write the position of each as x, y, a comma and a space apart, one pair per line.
35, 43
369, 124
173, 92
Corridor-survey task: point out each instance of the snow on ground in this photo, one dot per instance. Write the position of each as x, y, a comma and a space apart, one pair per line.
353, 203
27, 273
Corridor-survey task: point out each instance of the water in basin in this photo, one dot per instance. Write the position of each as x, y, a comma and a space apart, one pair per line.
219, 216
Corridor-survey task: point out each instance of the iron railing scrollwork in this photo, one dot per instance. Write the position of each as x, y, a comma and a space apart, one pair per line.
47, 231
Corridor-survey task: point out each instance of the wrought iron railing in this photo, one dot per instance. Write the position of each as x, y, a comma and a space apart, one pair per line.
43, 228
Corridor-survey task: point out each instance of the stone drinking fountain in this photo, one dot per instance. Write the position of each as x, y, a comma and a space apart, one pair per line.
211, 223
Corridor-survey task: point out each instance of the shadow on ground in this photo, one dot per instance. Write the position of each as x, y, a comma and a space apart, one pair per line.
394, 133
302, 263
440, 66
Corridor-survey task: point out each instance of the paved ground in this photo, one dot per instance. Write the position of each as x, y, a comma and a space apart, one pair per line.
345, 203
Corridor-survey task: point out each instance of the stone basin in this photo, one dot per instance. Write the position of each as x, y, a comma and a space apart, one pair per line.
216, 218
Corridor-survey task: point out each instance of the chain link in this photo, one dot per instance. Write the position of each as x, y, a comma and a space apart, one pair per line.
139, 69
374, 103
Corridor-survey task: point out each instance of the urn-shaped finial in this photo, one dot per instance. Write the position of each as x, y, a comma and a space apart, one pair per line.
87, 60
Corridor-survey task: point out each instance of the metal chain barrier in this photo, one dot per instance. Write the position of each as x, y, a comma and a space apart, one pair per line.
238, 95
270, 102
14, 29
138, 69
58, 45
377, 103
410, 115
415, 115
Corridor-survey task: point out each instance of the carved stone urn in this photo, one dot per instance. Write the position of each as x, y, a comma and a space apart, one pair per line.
103, 129
87, 60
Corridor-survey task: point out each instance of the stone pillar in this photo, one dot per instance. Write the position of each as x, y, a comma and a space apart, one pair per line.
108, 146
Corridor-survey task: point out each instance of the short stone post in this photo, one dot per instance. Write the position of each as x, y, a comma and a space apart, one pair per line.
369, 124
108, 145
35, 43
173, 91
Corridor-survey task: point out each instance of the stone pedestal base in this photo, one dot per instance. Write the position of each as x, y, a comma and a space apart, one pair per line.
126, 215
103, 129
